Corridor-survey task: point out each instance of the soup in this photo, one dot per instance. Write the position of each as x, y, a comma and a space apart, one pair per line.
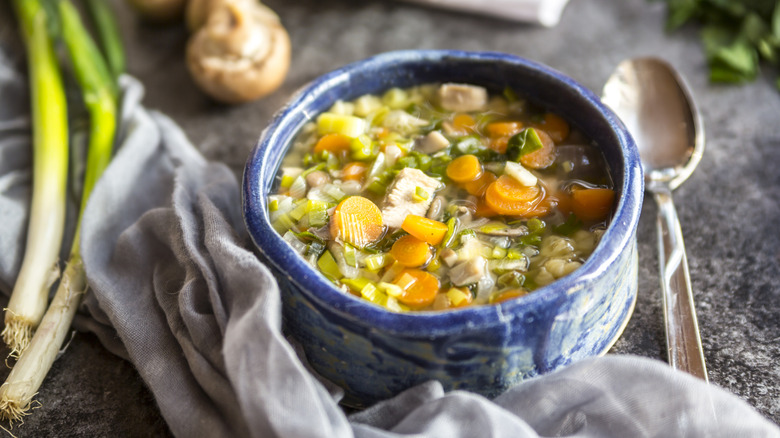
441, 196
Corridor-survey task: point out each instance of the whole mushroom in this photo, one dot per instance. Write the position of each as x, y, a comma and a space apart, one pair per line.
198, 11
240, 53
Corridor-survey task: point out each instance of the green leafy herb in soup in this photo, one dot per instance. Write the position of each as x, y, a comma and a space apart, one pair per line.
441, 196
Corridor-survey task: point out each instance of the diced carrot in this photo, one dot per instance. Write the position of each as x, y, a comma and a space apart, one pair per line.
499, 144
543, 157
332, 142
555, 126
563, 201
463, 122
411, 251
503, 129
382, 133
508, 295
478, 186
427, 230
353, 171
465, 168
419, 288
592, 204
507, 196
357, 220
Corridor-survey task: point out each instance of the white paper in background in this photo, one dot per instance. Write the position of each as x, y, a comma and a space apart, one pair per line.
544, 12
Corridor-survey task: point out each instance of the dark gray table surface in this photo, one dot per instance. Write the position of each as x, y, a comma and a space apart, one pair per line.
729, 209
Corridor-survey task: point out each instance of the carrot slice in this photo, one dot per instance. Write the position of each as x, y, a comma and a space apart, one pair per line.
499, 144
543, 157
357, 220
463, 123
464, 169
507, 196
592, 204
353, 171
508, 295
410, 251
483, 209
419, 288
555, 126
427, 230
503, 129
478, 186
510, 188
332, 143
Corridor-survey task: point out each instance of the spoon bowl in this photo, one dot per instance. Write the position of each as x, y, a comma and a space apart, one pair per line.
654, 103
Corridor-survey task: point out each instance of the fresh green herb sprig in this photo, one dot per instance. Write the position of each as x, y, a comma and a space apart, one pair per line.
737, 34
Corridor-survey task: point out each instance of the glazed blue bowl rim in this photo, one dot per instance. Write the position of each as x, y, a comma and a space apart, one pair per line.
618, 237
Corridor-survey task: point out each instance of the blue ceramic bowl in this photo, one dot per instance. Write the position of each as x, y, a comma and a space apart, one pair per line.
373, 353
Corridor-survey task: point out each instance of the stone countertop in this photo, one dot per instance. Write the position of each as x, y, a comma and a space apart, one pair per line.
729, 209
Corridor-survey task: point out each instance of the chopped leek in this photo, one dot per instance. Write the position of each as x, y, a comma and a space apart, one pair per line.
350, 126
328, 266
395, 98
523, 143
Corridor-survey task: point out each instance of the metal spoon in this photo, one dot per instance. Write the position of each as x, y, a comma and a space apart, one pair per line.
658, 110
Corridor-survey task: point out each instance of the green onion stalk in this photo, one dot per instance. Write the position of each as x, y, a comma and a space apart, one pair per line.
39, 269
108, 31
100, 96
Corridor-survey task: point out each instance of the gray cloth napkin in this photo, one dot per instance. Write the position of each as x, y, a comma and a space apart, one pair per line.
176, 290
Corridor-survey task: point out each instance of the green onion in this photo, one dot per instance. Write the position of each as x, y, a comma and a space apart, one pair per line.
50, 168
362, 148
108, 32
449, 236
98, 90
420, 194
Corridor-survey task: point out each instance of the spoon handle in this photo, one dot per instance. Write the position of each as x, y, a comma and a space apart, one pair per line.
682, 329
